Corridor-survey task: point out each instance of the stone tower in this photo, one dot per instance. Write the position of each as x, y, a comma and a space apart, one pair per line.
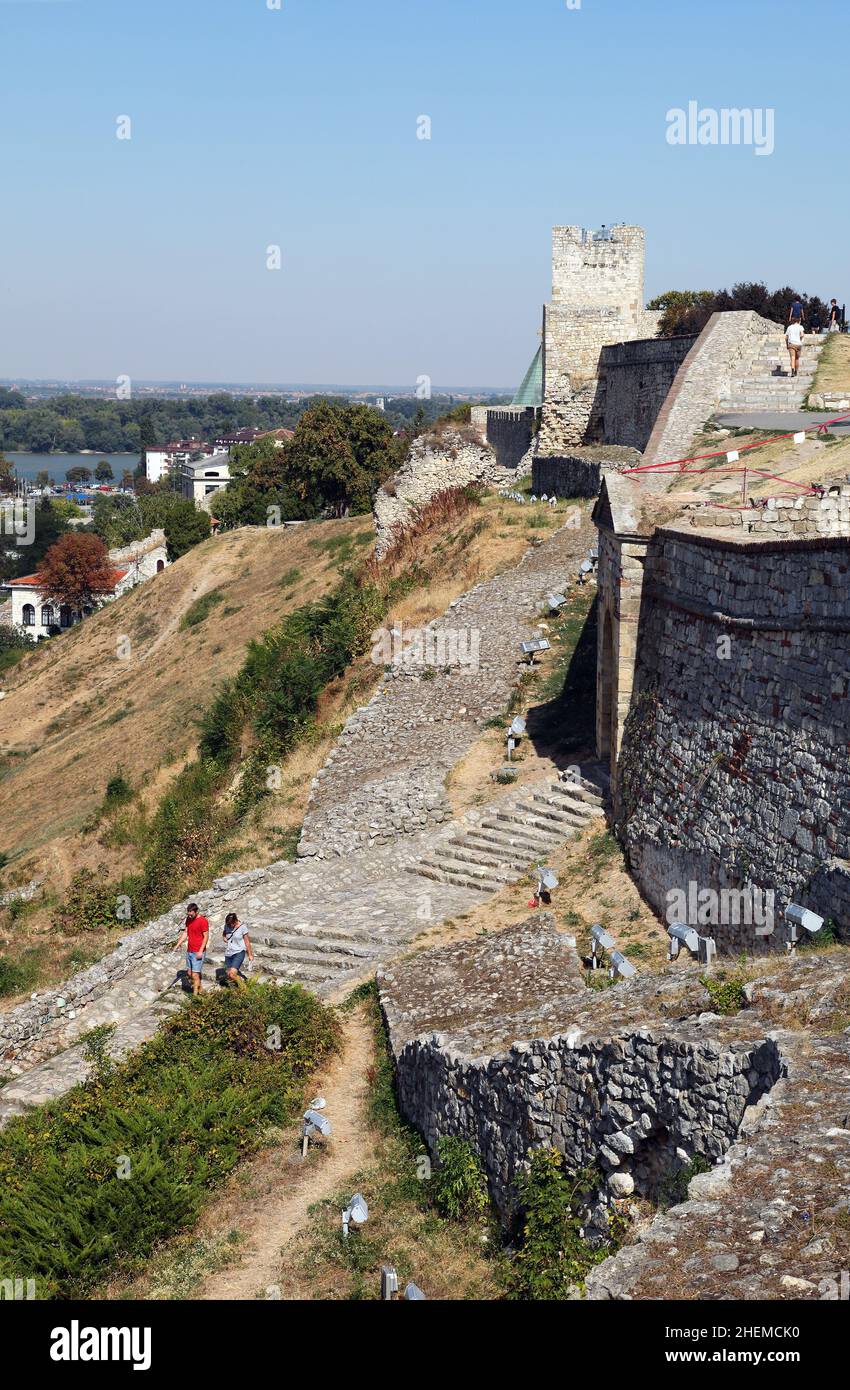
597, 298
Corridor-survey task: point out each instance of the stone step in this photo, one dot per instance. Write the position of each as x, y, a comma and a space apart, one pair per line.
548, 834
540, 838
262, 929
455, 850
561, 820
575, 793
443, 857
459, 876
544, 805
508, 853
313, 965
297, 943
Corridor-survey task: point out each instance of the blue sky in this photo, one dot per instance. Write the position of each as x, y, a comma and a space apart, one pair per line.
400, 257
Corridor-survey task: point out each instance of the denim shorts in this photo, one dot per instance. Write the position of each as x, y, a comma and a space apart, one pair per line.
195, 962
234, 962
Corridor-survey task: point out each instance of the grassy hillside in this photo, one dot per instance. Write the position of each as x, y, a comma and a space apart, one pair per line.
94, 735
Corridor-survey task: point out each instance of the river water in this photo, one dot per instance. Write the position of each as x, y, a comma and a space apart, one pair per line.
28, 465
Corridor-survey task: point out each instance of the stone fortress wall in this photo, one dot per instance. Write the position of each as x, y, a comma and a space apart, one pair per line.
499, 1040
724, 705
432, 467
635, 381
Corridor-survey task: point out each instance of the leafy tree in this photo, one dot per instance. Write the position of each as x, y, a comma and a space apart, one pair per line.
7, 476
184, 526
78, 474
76, 571
321, 460
103, 472
688, 311
43, 429
42, 478
118, 520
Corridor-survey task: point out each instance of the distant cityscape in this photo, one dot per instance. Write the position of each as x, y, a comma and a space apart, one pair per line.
38, 388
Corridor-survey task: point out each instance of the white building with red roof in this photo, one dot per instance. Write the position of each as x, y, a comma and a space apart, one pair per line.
38, 617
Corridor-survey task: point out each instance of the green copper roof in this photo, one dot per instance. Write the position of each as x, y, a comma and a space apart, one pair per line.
531, 390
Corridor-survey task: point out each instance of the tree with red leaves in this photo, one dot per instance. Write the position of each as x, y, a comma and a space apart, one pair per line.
76, 571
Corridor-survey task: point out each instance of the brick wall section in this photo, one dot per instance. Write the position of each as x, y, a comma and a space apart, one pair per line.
703, 380
734, 760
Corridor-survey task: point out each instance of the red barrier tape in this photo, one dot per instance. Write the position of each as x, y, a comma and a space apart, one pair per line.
678, 465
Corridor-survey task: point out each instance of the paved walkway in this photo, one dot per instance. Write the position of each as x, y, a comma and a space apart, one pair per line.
782, 420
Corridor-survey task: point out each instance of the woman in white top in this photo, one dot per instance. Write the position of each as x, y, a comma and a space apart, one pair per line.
237, 944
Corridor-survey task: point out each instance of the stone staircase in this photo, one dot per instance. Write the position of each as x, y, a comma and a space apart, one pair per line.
387, 860
755, 386
502, 844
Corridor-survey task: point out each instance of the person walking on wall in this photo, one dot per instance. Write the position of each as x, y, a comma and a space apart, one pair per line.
795, 314
834, 325
794, 339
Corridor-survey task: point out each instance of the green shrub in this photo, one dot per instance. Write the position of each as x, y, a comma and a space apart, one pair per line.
201, 608
118, 791
457, 1183
90, 905
726, 992
99, 1178
674, 1188
18, 976
552, 1255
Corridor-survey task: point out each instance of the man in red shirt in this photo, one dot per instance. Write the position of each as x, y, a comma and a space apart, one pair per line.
195, 936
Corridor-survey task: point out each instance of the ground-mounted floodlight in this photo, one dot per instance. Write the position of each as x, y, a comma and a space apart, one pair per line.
516, 731
585, 569
544, 497
680, 935
532, 498
555, 601
356, 1214
600, 940
553, 501
531, 649
389, 1283
704, 948
593, 554
316, 1125
620, 966
799, 919
413, 1293
707, 950
547, 879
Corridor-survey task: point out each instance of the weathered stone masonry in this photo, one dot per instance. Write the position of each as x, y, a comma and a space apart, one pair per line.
733, 766
603, 1078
